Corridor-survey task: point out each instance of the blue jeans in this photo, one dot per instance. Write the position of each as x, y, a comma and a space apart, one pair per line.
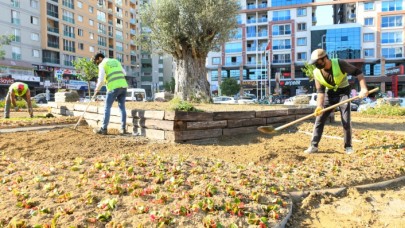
119, 94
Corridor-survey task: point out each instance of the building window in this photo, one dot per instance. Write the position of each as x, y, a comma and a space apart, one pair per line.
91, 22
281, 15
391, 21
91, 9
368, 37
17, 35
80, 32
302, 41
392, 5
15, 3
34, 4
91, 35
281, 58
281, 44
91, 48
79, 4
392, 52
15, 17
302, 56
35, 53
233, 47
34, 36
80, 18
368, 21
279, 30
80, 46
301, 12
368, 52
34, 20
368, 6
16, 53
302, 27
216, 60
391, 37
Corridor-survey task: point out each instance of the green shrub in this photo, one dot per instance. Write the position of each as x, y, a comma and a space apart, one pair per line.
21, 104
386, 110
176, 104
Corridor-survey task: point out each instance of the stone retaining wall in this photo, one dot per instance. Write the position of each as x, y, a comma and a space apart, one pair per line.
178, 126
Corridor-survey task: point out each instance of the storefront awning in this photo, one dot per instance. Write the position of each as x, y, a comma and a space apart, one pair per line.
17, 64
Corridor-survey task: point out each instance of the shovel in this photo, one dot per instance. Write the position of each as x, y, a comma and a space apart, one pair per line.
270, 129
85, 110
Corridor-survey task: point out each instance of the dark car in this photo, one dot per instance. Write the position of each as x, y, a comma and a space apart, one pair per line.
41, 98
279, 99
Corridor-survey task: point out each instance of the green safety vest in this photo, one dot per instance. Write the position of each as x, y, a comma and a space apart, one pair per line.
14, 87
114, 77
339, 78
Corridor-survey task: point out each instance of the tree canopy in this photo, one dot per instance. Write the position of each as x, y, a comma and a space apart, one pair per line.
188, 30
5, 40
86, 70
229, 87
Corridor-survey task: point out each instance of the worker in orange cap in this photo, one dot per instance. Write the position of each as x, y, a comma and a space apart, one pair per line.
18, 89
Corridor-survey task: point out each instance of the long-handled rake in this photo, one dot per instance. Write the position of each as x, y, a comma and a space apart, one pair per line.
270, 129
85, 110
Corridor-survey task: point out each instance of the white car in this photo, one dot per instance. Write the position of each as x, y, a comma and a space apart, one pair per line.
224, 100
307, 99
247, 100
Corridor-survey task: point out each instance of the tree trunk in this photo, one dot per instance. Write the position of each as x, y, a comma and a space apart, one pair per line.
191, 79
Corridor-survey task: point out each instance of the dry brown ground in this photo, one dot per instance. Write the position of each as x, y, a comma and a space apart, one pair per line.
380, 155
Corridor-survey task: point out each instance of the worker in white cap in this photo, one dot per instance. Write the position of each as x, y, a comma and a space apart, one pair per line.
333, 87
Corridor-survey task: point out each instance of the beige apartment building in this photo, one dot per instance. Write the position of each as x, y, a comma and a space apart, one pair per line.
50, 34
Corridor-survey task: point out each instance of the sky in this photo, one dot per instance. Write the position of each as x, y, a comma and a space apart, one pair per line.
324, 14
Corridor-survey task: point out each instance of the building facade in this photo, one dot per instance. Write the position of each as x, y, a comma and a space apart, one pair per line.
275, 39
50, 34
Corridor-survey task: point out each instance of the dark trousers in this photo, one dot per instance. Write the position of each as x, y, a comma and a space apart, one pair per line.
331, 99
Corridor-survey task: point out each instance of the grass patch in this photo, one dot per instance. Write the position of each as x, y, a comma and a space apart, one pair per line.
176, 104
385, 110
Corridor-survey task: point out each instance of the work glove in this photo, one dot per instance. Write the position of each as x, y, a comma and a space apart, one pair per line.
363, 93
318, 111
16, 108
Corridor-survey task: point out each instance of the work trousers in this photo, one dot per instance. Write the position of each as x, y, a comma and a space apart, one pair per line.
331, 99
7, 105
118, 94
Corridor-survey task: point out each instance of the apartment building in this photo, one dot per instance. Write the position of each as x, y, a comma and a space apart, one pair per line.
275, 39
21, 19
53, 33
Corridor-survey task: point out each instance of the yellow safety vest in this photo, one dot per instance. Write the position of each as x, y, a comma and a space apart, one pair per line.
339, 78
14, 87
114, 77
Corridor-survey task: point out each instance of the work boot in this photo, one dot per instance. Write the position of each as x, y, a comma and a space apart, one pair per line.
123, 131
349, 150
100, 131
311, 149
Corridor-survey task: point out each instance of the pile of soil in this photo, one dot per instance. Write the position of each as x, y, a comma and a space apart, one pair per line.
63, 159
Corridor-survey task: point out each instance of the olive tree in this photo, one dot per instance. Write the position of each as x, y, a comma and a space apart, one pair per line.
86, 70
188, 30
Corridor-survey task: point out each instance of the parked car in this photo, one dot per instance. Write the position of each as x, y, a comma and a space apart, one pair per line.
247, 99
307, 99
224, 100
279, 99
364, 107
40, 98
100, 98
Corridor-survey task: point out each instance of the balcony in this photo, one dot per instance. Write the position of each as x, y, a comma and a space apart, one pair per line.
50, 60
104, 44
110, 22
275, 61
119, 37
54, 30
68, 4
133, 52
53, 44
251, 34
67, 63
252, 6
262, 5
263, 33
52, 13
251, 21
262, 20
133, 31
132, 21
111, 46
69, 48
232, 63
68, 19
119, 49
251, 49
68, 34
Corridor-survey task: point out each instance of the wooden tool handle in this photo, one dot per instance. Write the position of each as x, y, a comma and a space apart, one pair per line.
323, 110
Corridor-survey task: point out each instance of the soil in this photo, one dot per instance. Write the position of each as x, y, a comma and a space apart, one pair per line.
72, 177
